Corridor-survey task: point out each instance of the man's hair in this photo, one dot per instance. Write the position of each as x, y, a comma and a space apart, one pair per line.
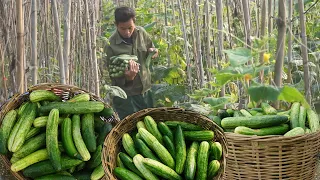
124, 14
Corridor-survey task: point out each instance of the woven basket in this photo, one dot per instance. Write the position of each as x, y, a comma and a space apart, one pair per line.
113, 143
272, 157
64, 91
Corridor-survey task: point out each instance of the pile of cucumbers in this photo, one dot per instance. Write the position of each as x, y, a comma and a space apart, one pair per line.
266, 120
118, 64
47, 138
172, 150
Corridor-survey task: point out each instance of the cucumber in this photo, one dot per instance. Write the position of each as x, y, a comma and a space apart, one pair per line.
106, 112
213, 169
215, 150
26, 123
33, 132
294, 115
14, 159
268, 109
230, 112
165, 130
302, 117
46, 167
119, 162
22, 108
105, 129
42, 121
222, 113
181, 150
7, 124
160, 169
245, 113
202, 160
31, 146
308, 131
151, 126
81, 166
141, 124
237, 114
274, 130
295, 132
138, 162
43, 95
80, 97
313, 120
254, 121
32, 158
205, 135
216, 119
77, 138
67, 140
170, 146
191, 162
73, 107
52, 139
128, 163
89, 138
56, 177
157, 147
125, 174
71, 170
97, 173
95, 160
253, 112
128, 145
143, 149
184, 125
83, 175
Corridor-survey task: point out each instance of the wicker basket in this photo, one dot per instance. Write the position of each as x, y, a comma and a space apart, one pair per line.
112, 143
64, 91
272, 157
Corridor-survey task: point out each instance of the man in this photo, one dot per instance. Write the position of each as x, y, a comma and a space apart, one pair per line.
136, 82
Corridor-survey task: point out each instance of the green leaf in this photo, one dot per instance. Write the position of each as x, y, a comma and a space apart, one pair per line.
223, 78
148, 27
216, 102
238, 56
291, 94
115, 91
268, 93
173, 92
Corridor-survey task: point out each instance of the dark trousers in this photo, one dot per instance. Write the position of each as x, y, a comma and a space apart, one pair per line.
132, 104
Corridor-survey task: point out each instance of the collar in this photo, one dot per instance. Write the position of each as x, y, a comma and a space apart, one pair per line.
119, 39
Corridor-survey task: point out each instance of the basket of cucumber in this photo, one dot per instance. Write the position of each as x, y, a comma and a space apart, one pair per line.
165, 143
41, 132
264, 143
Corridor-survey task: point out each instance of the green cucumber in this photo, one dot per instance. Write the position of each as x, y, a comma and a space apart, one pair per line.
87, 124
205, 135
191, 162
95, 160
245, 113
31, 146
184, 125
52, 139
165, 130
143, 149
128, 145
97, 173
78, 140
313, 120
151, 126
125, 174
32, 158
43, 95
302, 117
138, 162
295, 132
268, 109
274, 130
80, 97
67, 140
202, 160
160, 169
181, 150
294, 115
128, 163
213, 169
73, 107
254, 121
7, 124
215, 150
170, 146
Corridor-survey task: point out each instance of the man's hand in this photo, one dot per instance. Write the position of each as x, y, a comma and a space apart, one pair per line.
132, 71
154, 50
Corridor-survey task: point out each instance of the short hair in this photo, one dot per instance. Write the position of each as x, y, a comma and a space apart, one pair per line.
124, 14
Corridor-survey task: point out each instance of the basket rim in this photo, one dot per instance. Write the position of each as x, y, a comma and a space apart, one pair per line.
106, 163
235, 136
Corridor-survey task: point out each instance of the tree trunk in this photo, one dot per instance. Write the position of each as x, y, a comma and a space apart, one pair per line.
263, 33
34, 54
208, 38
281, 23
20, 47
247, 23
186, 51
66, 41
198, 43
270, 19
89, 42
219, 10
304, 51
194, 46
94, 49
290, 9
57, 31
